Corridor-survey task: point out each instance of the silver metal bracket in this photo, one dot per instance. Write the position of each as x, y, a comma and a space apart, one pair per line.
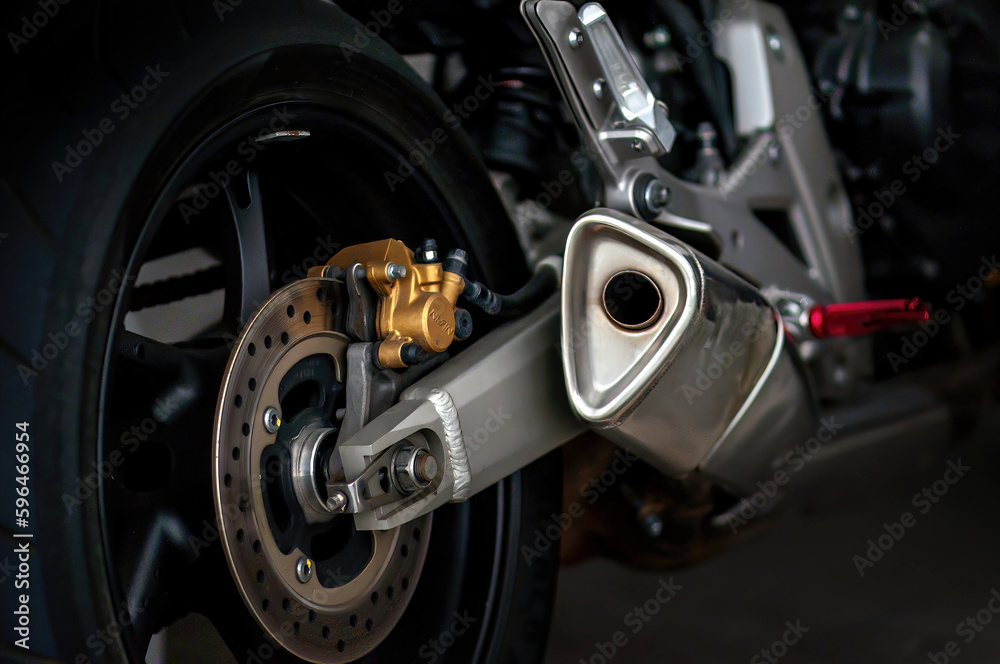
375, 487
613, 98
786, 171
495, 408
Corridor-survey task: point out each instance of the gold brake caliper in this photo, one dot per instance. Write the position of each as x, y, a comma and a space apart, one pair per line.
417, 311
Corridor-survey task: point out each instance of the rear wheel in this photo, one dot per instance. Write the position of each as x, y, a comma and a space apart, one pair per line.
257, 148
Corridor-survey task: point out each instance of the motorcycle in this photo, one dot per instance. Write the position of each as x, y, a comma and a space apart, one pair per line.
331, 330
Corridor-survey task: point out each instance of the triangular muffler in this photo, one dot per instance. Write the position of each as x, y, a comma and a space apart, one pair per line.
664, 349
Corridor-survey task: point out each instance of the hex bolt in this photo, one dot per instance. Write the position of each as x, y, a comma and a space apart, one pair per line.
272, 419
636, 145
649, 196
304, 570
337, 502
575, 38
394, 271
414, 469
656, 195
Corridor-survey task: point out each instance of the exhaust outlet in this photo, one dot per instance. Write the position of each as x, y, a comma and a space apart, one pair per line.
632, 300
674, 357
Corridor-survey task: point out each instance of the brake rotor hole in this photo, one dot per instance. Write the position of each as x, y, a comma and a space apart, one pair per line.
307, 317
632, 301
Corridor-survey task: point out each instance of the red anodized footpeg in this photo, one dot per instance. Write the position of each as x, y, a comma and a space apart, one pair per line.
853, 319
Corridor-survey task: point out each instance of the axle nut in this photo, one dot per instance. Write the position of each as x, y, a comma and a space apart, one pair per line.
414, 469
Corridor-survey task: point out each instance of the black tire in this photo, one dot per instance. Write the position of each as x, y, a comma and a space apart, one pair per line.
65, 234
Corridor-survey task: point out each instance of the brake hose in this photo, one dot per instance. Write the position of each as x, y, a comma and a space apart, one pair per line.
541, 285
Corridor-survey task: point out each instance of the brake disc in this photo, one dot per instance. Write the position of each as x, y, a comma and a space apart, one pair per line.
323, 590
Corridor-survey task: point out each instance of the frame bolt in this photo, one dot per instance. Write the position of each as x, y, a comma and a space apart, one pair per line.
657, 195
575, 38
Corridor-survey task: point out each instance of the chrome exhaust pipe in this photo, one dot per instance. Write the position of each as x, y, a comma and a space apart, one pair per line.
674, 357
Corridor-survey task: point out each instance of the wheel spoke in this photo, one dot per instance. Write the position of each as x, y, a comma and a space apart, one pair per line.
168, 381
157, 472
250, 252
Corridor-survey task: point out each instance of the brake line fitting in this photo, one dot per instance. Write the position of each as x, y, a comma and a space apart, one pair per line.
541, 285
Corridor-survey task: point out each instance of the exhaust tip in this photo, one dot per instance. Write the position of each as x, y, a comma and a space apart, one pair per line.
632, 301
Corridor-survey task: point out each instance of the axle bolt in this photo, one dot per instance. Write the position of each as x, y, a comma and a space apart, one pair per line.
425, 466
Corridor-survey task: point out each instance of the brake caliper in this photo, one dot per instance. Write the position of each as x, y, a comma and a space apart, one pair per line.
404, 301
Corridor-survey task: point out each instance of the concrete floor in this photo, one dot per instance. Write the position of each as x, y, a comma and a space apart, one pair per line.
910, 603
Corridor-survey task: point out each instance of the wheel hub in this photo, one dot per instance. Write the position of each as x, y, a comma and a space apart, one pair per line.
322, 589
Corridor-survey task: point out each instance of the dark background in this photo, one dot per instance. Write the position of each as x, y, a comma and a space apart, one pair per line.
798, 566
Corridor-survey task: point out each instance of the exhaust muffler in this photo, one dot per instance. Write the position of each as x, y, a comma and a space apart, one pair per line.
674, 357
